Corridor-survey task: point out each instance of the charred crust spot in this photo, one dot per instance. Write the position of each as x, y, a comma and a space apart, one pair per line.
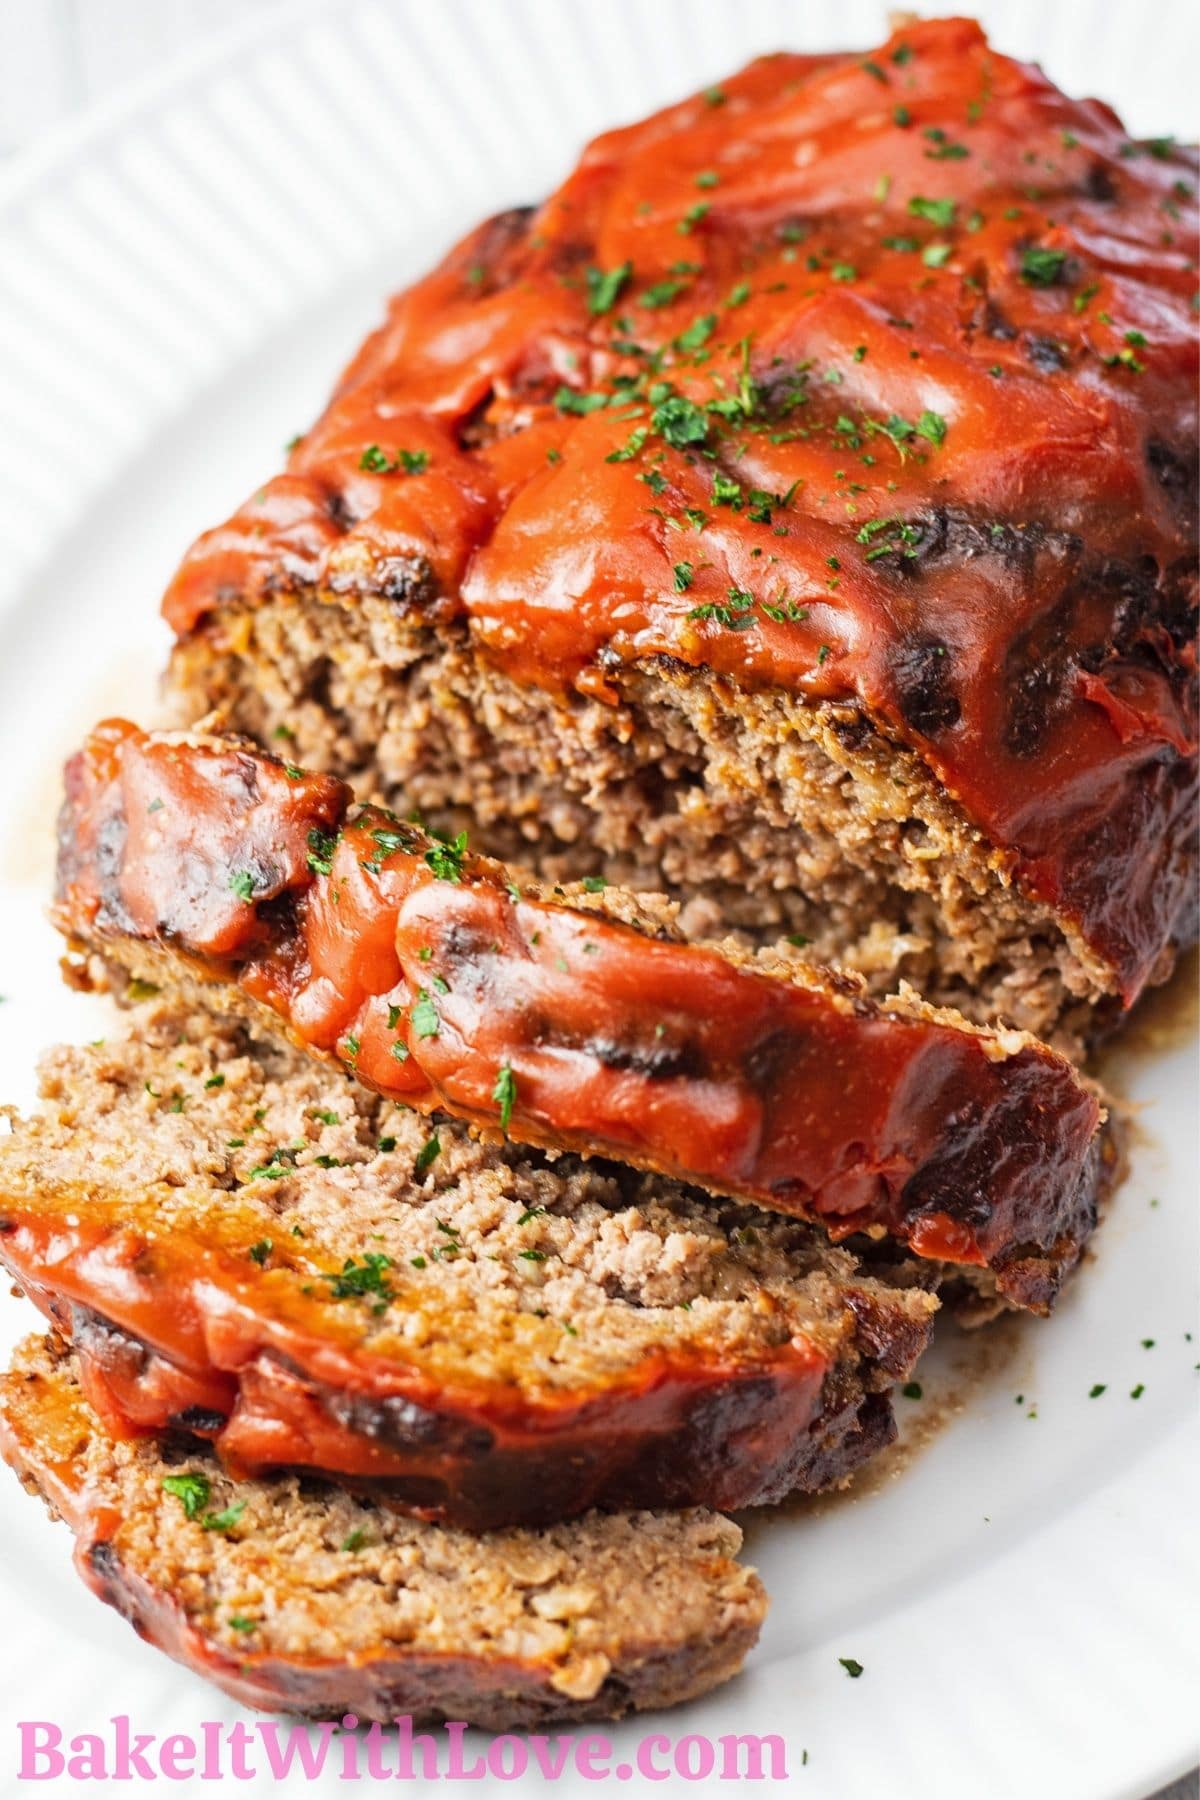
339, 511
1098, 183
922, 675
200, 1421
104, 1563
659, 1061
407, 581
996, 325
394, 1420
96, 1336
886, 1332
851, 728
1109, 612
491, 248
1177, 474
1047, 354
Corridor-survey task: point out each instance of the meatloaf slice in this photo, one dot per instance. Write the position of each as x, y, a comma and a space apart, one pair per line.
573, 1019
795, 514
292, 1596
246, 1244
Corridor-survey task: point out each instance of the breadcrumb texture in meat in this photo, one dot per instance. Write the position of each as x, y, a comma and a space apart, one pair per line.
829, 542
308, 1601
249, 1245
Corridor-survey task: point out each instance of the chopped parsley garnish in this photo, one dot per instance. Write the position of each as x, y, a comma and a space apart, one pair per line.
629, 449
505, 1094
407, 462
853, 1668
604, 287
325, 1117
936, 256
224, 1521
938, 212
321, 846
661, 293
259, 1252
931, 425
680, 421
387, 842
901, 116
425, 1155
446, 860
532, 1255
354, 1541
1100, 1387
355, 1280
1042, 267
570, 400
424, 1017
697, 333
192, 1489
594, 884
241, 883
942, 149
912, 1390
684, 572
237, 1623
215, 1081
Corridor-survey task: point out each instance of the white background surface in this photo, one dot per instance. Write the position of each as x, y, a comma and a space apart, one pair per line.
172, 306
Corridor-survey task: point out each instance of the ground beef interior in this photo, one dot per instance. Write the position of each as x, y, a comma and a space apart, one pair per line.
292, 1596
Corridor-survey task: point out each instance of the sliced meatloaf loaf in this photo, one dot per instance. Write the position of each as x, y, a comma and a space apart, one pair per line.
247, 1245
795, 514
294, 1597
573, 1019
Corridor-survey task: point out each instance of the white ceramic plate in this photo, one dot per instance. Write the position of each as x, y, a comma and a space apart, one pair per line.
180, 277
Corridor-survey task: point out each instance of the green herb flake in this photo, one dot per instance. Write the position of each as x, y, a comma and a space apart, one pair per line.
191, 1489
446, 859
321, 846
259, 1252
355, 1280
912, 1390
426, 1154
684, 573
1042, 267
681, 422
224, 1521
505, 1094
353, 1541
604, 287
423, 1015
938, 212
853, 1668
241, 882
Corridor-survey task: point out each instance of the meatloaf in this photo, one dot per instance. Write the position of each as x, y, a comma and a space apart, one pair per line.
247, 1245
294, 1597
796, 514
573, 1019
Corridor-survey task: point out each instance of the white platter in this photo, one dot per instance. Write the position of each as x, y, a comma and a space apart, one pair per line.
180, 277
